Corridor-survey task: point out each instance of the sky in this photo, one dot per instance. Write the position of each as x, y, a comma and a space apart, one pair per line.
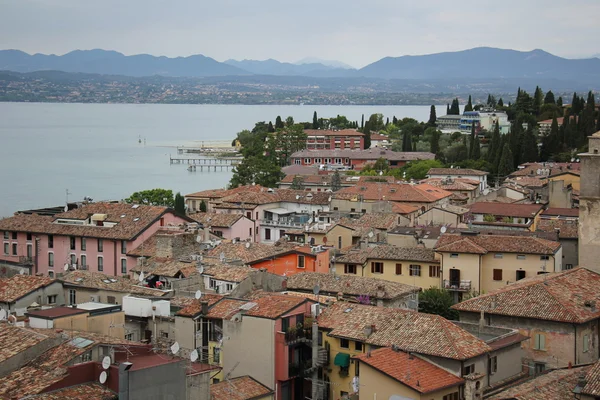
357, 32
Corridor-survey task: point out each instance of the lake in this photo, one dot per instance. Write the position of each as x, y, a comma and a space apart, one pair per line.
93, 150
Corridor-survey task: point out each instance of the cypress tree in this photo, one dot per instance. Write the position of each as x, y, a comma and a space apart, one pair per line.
362, 122
202, 206
472, 141
432, 116
469, 106
550, 142
271, 128
515, 141
500, 102
179, 204
590, 111
407, 142
538, 99
278, 123
549, 99
529, 148
495, 144
395, 120
447, 109
575, 104
435, 142
315, 124
559, 102
505, 165
476, 152
598, 124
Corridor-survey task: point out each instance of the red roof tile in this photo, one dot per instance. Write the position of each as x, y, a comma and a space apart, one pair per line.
12, 289
482, 244
400, 192
242, 388
412, 371
273, 306
592, 386
561, 212
86, 391
506, 210
456, 171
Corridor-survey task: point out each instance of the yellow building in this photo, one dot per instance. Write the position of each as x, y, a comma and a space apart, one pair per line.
386, 372
472, 262
569, 177
416, 266
338, 236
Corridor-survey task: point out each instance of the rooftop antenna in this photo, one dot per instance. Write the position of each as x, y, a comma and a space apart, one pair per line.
443, 229
67, 198
247, 245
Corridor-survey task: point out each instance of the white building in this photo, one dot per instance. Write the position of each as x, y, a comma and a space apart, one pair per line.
460, 173
484, 120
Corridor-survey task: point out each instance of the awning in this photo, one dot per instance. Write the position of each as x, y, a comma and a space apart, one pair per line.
279, 211
342, 360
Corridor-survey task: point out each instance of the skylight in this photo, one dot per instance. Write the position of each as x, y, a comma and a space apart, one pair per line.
81, 342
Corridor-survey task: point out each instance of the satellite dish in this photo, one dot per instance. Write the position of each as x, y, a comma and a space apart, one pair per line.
572, 160
141, 277
201, 269
316, 290
443, 229
329, 198
370, 234
2, 314
198, 294
194, 356
66, 208
297, 197
247, 245
175, 348
222, 256
66, 267
106, 362
199, 239
103, 377
21, 271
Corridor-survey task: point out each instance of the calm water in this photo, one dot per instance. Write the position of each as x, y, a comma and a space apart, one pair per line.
93, 150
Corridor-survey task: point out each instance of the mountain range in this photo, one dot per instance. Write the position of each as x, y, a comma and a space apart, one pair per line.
481, 64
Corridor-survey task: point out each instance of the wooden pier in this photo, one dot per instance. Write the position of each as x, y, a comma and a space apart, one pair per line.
208, 164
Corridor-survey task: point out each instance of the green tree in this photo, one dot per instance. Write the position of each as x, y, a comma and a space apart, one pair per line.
271, 128
538, 100
494, 146
559, 102
432, 116
336, 181
289, 121
469, 106
203, 206
407, 141
549, 99
500, 102
381, 165
297, 183
278, 123
454, 108
447, 108
179, 204
437, 301
419, 169
550, 144
529, 149
435, 142
153, 197
506, 166
315, 124
476, 151
472, 142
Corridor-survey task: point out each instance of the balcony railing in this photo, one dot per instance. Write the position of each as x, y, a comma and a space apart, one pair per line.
282, 222
299, 368
298, 335
25, 260
457, 285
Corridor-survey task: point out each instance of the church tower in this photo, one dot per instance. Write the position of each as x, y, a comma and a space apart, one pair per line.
589, 206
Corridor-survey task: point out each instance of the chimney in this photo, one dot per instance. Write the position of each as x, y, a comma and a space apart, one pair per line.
204, 307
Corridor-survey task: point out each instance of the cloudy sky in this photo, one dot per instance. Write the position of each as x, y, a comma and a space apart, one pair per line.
357, 32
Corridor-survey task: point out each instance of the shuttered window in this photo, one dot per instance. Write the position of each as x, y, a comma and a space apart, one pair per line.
497, 274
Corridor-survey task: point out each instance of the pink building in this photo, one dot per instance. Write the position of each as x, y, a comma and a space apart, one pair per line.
318, 139
94, 237
227, 226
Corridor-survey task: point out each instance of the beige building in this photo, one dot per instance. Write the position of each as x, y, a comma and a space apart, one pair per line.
589, 205
415, 266
506, 216
479, 263
446, 214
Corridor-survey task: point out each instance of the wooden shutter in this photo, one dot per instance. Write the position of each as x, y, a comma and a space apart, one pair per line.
497, 274
398, 269
372, 267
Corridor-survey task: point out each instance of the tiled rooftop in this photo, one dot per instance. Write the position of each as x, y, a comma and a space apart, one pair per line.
398, 192
527, 181
566, 229
55, 312
455, 185
129, 221
409, 330
382, 221
242, 388
482, 244
457, 172
228, 273
169, 267
592, 386
331, 132
553, 385
16, 340
87, 391
349, 285
278, 196
387, 252
412, 371
17, 286
218, 193
506, 210
216, 220
241, 251
561, 212
368, 155
97, 280
273, 306
192, 307
558, 296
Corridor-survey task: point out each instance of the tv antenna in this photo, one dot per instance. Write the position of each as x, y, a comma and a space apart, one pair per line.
443, 229
67, 193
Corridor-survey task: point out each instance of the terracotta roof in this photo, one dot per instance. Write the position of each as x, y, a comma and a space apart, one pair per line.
377, 136
409, 330
225, 309
545, 169
507, 210
561, 212
217, 220
55, 312
331, 132
273, 306
86, 391
229, 273
278, 196
169, 267
528, 182
381, 221
296, 169
242, 388
552, 385
456, 171
192, 307
567, 229
400, 192
592, 386
454, 185
481, 244
256, 251
133, 222
412, 371
16, 340
403, 209
17, 286
558, 296
387, 252
97, 280
367, 155
309, 179
218, 193
349, 285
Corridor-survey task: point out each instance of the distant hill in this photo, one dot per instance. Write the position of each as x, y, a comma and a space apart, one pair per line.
485, 63
329, 63
114, 63
274, 67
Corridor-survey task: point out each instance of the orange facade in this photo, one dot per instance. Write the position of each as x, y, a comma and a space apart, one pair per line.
294, 262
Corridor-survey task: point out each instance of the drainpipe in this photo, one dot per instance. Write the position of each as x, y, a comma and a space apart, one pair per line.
115, 256
575, 328
480, 273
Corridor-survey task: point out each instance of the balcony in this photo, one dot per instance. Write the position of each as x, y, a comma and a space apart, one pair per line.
282, 222
457, 285
295, 336
299, 369
24, 260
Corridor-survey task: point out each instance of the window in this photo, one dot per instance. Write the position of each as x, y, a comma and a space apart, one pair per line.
51, 259
520, 256
229, 287
28, 237
493, 365
414, 270
14, 235
349, 268
123, 246
297, 161
320, 338
50, 241
72, 242
307, 161
72, 297
14, 249
435, 271
83, 244
539, 342
50, 274
100, 245
87, 356
73, 259
83, 261
398, 269
339, 242
358, 346
123, 265
250, 232
377, 268
164, 334
52, 299
453, 255
257, 215
497, 274
544, 258
344, 343
498, 255
100, 263
468, 369
451, 396
111, 300
215, 380
586, 343
300, 261
267, 234
6, 236
6, 248
285, 324
539, 368
520, 275
568, 266
212, 283
129, 336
